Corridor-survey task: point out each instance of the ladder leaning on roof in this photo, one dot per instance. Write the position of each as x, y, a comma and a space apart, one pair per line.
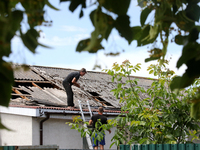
85, 125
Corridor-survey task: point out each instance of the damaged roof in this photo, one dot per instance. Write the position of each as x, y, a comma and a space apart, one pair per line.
42, 86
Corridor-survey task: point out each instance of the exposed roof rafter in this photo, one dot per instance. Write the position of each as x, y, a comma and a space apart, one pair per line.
44, 84
20, 94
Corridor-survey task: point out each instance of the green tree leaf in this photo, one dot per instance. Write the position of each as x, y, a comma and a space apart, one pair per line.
181, 82
145, 36
3, 127
156, 53
142, 3
192, 68
183, 22
143, 140
122, 25
7, 31
158, 116
6, 82
144, 15
14, 25
92, 46
194, 35
189, 52
118, 7
136, 32
34, 11
193, 11
181, 40
82, 45
195, 111
102, 22
74, 4
30, 39
51, 6
64, 0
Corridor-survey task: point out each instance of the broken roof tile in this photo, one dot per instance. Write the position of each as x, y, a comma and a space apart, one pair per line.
50, 92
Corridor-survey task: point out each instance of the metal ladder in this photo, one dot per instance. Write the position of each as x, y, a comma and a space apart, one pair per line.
85, 125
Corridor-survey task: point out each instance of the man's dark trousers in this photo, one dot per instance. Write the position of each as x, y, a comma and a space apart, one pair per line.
69, 92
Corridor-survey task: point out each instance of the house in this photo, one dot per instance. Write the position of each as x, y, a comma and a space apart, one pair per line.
37, 112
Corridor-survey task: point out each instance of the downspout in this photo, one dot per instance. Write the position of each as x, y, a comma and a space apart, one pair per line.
56, 113
41, 127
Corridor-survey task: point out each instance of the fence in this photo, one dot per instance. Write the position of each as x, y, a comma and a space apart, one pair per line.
8, 147
31, 148
39, 147
161, 147
122, 147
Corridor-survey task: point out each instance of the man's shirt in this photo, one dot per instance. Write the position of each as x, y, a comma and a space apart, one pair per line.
96, 117
70, 77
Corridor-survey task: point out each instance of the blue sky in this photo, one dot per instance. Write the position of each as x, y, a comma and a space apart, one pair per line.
67, 30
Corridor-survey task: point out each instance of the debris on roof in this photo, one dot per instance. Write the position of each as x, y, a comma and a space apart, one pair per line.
42, 86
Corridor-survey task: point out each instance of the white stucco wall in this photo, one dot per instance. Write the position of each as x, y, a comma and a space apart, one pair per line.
36, 131
108, 138
21, 127
26, 131
56, 132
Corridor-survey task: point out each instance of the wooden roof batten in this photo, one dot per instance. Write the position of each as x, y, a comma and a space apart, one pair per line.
20, 94
47, 82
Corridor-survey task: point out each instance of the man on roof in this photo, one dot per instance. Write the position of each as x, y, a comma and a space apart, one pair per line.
70, 80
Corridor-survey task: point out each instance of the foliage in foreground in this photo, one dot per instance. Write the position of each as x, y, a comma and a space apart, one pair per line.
161, 22
81, 127
21, 23
172, 21
155, 115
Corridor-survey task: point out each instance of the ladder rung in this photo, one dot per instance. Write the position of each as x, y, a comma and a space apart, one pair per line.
87, 135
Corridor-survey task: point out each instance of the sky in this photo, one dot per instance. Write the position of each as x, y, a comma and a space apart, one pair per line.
67, 29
